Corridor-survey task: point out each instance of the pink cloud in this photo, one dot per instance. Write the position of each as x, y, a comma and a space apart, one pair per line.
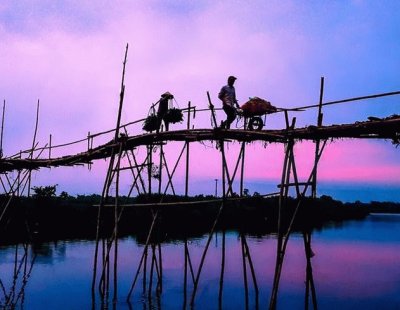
73, 65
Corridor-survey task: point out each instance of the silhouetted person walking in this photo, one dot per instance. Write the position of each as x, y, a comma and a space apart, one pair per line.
163, 109
228, 98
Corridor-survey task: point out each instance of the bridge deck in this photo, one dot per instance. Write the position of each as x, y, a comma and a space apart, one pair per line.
388, 128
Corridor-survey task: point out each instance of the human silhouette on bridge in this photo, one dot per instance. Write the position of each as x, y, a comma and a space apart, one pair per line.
229, 102
163, 109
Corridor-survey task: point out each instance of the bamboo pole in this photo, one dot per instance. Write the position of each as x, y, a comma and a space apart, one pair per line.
160, 170
139, 171
242, 168
169, 174
317, 143
187, 154
135, 177
350, 100
50, 147
121, 95
282, 202
278, 268
211, 107
116, 220
108, 178
239, 160
99, 214
150, 166
2, 129
33, 146
223, 171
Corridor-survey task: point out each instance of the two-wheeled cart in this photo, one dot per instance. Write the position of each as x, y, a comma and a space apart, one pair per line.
253, 110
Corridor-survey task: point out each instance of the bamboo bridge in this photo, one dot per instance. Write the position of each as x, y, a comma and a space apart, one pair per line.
388, 128
105, 269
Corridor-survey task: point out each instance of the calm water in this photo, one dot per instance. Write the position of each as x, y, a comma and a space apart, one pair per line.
356, 266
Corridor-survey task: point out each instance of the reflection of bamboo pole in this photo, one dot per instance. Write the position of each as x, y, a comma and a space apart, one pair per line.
309, 272
143, 255
106, 186
27, 275
190, 263
221, 277
196, 282
99, 215
246, 288
185, 271
151, 272
285, 179
145, 269
116, 220
253, 274
283, 244
160, 276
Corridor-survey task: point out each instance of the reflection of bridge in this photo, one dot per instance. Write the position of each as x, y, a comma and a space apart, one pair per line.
122, 159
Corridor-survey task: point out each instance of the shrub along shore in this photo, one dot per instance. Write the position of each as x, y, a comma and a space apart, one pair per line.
45, 217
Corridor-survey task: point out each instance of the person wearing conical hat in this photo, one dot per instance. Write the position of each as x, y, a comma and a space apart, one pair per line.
163, 109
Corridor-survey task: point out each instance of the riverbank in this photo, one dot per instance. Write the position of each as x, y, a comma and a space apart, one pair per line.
58, 218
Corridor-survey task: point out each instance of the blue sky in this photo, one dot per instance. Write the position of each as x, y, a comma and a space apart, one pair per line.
69, 56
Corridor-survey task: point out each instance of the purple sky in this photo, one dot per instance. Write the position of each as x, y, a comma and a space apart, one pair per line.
69, 56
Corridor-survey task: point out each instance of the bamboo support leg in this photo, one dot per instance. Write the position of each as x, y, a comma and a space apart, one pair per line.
170, 175
196, 282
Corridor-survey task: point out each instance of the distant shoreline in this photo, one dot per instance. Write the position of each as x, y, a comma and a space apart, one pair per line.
68, 217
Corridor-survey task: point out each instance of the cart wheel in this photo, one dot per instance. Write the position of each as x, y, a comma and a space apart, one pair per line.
255, 123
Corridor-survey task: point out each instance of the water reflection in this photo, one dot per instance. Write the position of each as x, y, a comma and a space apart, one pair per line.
13, 288
237, 272
149, 275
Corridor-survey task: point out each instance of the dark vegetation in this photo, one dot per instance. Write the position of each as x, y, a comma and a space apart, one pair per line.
46, 216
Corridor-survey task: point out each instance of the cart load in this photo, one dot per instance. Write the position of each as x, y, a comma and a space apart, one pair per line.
257, 106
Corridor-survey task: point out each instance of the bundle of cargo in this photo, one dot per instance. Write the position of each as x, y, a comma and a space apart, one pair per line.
151, 123
257, 106
173, 116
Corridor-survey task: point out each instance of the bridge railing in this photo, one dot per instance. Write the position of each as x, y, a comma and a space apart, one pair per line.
191, 112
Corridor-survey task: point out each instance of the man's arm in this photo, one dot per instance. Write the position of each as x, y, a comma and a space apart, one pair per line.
221, 94
235, 102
